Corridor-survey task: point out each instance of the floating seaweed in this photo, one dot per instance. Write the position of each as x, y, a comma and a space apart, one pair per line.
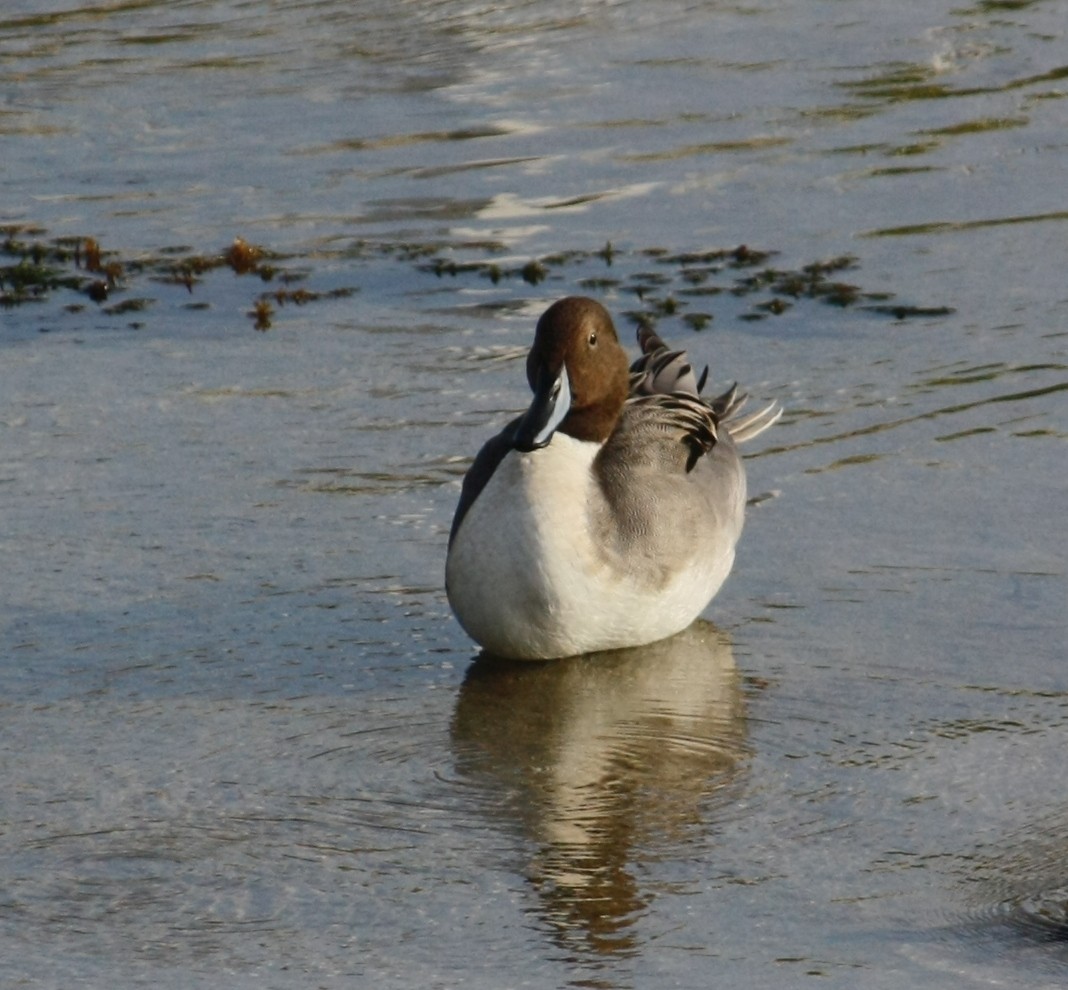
665, 284
261, 313
243, 257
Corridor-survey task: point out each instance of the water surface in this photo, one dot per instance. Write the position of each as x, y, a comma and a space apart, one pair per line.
241, 737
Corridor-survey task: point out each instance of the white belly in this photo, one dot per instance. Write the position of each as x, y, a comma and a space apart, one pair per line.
526, 581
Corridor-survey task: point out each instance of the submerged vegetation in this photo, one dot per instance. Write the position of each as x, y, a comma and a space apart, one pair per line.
79, 273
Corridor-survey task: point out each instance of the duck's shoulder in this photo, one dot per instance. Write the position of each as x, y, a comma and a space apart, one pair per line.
482, 469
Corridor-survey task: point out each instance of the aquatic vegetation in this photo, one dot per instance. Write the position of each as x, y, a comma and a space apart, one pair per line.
261, 313
669, 291
42, 268
664, 284
243, 257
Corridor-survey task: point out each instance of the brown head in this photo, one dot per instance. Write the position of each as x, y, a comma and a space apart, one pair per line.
576, 358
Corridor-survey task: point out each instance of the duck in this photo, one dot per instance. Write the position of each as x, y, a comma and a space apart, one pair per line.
607, 514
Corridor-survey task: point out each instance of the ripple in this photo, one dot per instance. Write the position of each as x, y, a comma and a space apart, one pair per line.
1022, 885
1042, 915
185, 832
956, 226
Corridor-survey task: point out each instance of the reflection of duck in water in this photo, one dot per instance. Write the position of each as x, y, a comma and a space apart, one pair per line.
607, 515
603, 761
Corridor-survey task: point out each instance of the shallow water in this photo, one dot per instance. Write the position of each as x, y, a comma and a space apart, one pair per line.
243, 740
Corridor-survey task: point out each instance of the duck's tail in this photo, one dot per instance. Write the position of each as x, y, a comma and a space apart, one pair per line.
744, 428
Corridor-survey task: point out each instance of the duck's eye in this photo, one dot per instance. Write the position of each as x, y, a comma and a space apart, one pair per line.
593, 338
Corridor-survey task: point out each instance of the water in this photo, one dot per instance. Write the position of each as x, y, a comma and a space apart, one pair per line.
243, 741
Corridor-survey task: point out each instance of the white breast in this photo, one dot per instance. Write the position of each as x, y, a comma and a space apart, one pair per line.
525, 579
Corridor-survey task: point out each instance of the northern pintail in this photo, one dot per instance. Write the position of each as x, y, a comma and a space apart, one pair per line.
607, 514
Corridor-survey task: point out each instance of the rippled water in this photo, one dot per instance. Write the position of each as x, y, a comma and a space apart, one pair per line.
243, 741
